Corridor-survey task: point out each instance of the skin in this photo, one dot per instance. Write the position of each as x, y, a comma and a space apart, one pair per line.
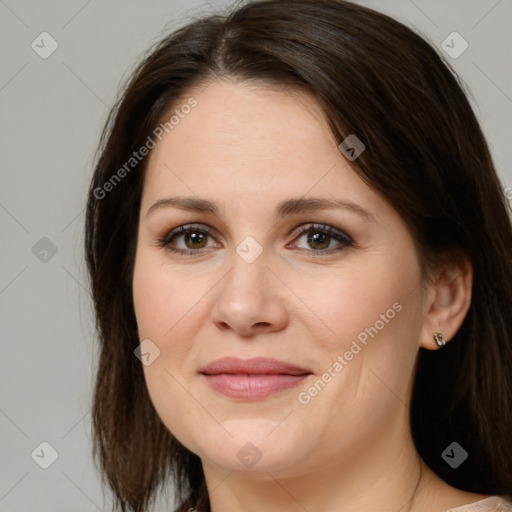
247, 147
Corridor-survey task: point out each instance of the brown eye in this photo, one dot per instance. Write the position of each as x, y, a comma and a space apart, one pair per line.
319, 237
191, 239
318, 240
195, 239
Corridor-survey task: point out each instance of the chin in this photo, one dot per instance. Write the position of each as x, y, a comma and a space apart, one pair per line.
256, 447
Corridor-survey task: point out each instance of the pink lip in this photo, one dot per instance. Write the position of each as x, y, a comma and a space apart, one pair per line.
254, 378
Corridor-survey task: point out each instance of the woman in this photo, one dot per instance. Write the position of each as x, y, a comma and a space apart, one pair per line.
296, 227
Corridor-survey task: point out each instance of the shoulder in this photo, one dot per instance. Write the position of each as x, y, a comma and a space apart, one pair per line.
490, 504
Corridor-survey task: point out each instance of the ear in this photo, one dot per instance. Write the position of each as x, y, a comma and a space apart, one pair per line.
448, 299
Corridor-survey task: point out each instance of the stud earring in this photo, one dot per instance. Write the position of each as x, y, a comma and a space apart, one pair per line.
440, 339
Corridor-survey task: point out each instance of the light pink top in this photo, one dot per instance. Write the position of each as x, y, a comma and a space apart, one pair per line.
491, 504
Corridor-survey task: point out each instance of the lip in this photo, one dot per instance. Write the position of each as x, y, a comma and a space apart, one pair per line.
255, 365
252, 379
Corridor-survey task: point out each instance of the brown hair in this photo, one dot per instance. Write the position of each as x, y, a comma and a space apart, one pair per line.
425, 153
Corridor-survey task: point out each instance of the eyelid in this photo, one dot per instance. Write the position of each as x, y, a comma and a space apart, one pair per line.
183, 229
327, 228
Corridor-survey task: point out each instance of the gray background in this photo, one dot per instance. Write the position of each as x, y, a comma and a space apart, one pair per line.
52, 111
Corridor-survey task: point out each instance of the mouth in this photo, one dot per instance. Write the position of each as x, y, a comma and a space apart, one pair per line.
252, 379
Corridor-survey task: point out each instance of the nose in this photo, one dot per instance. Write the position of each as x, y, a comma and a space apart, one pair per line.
250, 299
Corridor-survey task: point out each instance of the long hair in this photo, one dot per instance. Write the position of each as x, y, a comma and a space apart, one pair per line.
425, 153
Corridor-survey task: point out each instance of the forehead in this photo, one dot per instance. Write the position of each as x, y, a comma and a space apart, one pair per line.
250, 139
229, 114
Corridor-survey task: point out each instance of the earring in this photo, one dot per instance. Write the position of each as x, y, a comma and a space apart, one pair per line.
440, 339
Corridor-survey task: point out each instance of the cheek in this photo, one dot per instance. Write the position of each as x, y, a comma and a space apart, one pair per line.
163, 303
349, 302
370, 318
374, 313
170, 311
161, 298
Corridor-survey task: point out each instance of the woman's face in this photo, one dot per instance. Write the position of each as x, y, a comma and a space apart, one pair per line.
341, 302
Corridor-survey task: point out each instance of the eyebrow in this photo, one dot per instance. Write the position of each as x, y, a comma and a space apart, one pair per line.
284, 208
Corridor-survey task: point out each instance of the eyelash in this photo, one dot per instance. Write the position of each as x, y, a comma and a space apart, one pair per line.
332, 232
